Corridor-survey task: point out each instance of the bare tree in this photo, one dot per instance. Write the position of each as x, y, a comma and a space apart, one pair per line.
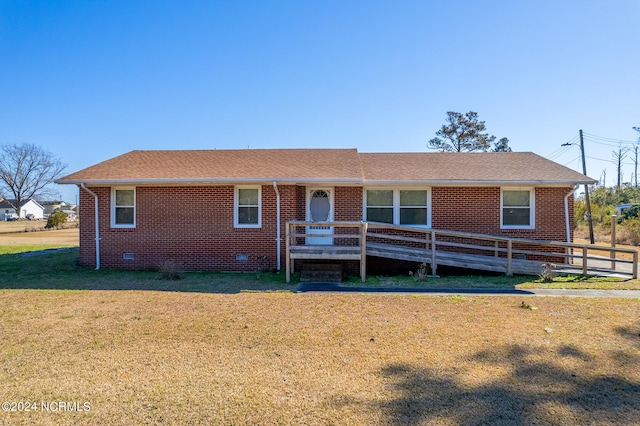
618, 156
25, 171
635, 163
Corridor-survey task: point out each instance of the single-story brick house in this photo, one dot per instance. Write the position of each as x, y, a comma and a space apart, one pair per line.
227, 210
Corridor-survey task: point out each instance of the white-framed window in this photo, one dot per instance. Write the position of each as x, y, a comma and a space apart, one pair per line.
123, 207
398, 206
248, 207
414, 206
517, 208
379, 205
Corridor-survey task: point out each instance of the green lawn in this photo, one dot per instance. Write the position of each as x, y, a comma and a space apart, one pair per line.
59, 270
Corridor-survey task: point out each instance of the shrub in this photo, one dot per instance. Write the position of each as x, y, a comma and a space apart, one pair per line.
631, 231
421, 273
548, 272
169, 270
631, 212
56, 220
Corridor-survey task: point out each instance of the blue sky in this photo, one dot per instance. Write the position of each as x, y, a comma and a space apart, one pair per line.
89, 80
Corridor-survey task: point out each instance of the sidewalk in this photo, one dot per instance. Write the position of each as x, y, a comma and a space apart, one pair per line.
337, 288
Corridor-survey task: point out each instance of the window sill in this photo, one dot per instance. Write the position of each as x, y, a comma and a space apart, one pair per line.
517, 228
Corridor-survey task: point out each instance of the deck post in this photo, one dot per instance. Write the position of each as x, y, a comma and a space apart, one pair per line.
496, 244
584, 260
363, 251
509, 258
288, 253
612, 254
634, 267
434, 267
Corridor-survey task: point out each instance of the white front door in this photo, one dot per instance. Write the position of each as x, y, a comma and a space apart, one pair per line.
320, 209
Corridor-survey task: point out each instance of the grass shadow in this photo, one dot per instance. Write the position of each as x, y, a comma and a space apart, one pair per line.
533, 392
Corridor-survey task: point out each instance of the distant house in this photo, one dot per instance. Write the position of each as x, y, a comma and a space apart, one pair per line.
54, 206
622, 207
29, 209
228, 210
68, 209
71, 214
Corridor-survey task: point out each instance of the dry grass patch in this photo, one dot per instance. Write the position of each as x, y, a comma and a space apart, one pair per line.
604, 243
145, 357
60, 237
20, 226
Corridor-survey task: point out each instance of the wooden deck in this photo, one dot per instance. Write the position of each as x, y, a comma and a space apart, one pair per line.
357, 240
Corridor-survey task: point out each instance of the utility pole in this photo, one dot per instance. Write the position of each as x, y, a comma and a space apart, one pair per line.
586, 188
586, 191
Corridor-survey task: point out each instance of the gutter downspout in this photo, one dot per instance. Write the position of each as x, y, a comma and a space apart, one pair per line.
95, 198
567, 223
566, 213
278, 239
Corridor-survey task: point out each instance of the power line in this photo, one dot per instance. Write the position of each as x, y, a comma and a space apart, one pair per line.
562, 149
603, 139
572, 161
601, 159
599, 140
558, 152
613, 145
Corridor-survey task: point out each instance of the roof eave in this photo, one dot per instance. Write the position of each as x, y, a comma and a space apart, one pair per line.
453, 182
336, 181
208, 181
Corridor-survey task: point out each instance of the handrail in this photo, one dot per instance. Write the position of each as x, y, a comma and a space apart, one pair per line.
369, 230
335, 224
293, 235
497, 238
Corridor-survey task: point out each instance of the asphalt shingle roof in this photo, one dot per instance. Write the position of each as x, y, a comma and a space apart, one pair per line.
226, 165
325, 165
478, 167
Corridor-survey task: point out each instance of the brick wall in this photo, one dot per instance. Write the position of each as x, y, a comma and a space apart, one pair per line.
194, 225
190, 225
477, 210
348, 203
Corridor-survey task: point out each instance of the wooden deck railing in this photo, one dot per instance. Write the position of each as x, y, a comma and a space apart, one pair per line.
431, 244
351, 243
